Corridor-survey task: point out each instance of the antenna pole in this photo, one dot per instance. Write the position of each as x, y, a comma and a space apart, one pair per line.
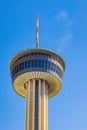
37, 41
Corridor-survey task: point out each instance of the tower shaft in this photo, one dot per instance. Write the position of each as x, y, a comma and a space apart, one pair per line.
36, 104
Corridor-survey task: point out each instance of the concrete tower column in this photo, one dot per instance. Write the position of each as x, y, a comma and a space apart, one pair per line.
27, 86
30, 103
39, 105
36, 105
44, 106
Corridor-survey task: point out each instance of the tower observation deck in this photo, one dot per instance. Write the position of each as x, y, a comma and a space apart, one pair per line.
37, 75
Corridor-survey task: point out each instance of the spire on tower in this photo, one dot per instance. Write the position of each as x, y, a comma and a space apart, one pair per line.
37, 40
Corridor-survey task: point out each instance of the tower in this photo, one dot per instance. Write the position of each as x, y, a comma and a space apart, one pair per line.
37, 75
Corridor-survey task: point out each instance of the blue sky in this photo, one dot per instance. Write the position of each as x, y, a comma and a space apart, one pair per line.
62, 28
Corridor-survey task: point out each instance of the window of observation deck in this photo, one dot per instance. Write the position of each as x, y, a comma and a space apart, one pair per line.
37, 65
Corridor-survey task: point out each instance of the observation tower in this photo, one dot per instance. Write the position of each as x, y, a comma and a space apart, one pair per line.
37, 75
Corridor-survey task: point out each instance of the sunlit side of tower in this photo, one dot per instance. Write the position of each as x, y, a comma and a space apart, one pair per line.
37, 75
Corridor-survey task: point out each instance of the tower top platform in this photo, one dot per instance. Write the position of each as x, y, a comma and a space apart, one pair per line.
22, 53
37, 63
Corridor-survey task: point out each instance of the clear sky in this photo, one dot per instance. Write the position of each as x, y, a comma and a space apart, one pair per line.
62, 28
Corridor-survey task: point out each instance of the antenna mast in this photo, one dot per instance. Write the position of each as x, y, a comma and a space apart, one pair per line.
37, 40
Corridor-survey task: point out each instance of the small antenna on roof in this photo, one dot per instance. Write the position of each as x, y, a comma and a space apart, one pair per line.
37, 40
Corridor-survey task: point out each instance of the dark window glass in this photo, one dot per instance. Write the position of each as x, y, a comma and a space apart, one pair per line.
42, 64
51, 67
35, 63
31, 64
57, 70
54, 68
48, 65
45, 64
26, 63
19, 66
39, 63
17, 69
22, 65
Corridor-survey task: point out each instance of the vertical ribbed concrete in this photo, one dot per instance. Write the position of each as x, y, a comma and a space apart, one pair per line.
44, 106
30, 103
37, 105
